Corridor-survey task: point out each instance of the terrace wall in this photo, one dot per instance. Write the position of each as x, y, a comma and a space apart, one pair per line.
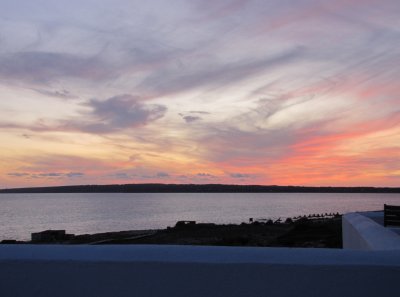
361, 232
56, 270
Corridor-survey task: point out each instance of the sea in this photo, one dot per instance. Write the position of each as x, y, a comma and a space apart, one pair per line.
23, 214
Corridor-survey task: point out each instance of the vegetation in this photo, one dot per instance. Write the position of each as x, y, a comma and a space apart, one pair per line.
197, 188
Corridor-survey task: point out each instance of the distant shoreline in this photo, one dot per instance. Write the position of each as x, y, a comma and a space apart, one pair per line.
196, 188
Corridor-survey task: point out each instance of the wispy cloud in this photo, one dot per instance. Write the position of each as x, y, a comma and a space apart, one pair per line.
61, 94
44, 67
215, 75
46, 175
301, 92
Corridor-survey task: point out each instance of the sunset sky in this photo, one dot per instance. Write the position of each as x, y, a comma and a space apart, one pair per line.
285, 92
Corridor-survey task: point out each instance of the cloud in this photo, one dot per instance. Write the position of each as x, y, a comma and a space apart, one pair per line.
47, 175
193, 116
191, 119
75, 174
18, 174
199, 112
205, 175
230, 146
43, 67
61, 94
250, 86
396, 177
220, 74
162, 175
241, 175
111, 115
140, 174
45, 163
117, 113
122, 175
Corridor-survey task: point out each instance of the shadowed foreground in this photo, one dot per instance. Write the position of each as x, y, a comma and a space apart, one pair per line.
142, 270
318, 233
305, 233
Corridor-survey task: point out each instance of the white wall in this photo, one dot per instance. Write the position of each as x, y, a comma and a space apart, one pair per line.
362, 233
176, 271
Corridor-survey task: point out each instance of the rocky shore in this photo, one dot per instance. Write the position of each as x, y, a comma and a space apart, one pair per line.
316, 231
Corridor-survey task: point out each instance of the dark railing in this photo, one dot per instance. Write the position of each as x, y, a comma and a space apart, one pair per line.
391, 215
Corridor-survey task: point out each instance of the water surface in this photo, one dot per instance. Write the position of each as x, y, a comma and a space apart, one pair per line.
22, 214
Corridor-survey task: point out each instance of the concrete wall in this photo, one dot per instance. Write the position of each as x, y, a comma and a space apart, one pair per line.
176, 271
363, 233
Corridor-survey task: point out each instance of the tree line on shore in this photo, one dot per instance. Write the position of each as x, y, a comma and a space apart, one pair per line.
197, 188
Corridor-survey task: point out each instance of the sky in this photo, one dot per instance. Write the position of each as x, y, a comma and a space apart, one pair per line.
272, 92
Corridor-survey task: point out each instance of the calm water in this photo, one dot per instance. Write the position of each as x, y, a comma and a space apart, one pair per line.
22, 214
